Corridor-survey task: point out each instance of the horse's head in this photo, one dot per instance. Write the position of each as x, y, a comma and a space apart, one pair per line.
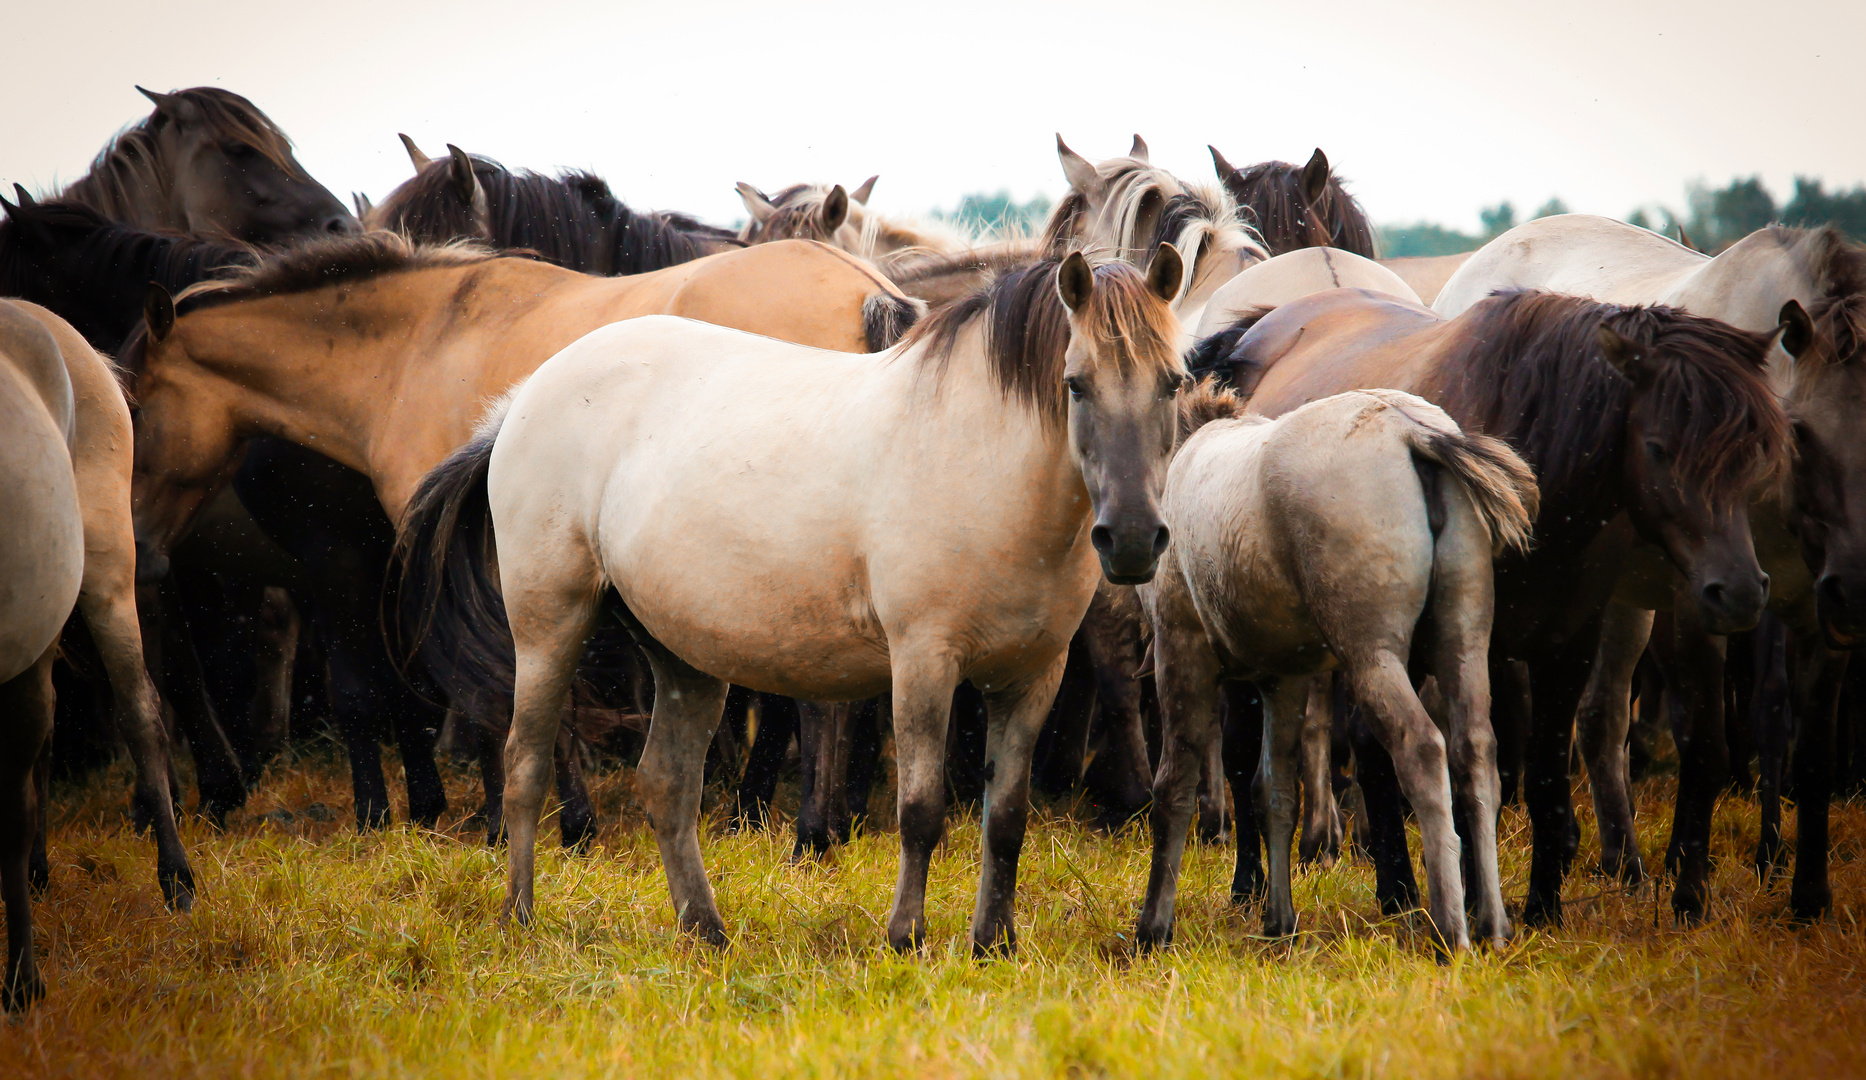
825, 212
1704, 433
1826, 398
1116, 204
231, 170
1123, 373
1297, 206
186, 442
445, 200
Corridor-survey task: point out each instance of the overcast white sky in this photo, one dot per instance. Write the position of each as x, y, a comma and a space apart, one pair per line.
1431, 110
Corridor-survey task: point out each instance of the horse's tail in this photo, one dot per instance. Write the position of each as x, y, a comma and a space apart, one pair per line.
886, 318
444, 612
1499, 484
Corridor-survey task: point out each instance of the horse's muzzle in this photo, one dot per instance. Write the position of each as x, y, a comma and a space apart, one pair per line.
1130, 555
1840, 604
1735, 605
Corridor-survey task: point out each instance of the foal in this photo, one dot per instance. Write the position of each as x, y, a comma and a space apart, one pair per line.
1330, 538
823, 526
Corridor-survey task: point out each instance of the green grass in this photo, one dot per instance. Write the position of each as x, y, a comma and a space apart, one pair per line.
315, 952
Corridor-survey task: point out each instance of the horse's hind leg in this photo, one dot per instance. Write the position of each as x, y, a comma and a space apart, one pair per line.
1601, 722
777, 722
576, 815
1381, 827
1285, 700
1769, 706
1242, 734
924, 681
1015, 717
822, 743
25, 722
1818, 674
1419, 757
1186, 672
688, 705
1321, 818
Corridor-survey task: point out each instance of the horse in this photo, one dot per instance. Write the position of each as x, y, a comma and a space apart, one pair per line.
1295, 207
1645, 422
264, 353
1130, 208
1355, 532
1812, 542
208, 163
41, 573
843, 559
1426, 274
1292, 275
573, 220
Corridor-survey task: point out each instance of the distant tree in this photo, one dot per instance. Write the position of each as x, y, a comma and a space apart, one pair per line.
1722, 216
1639, 218
1551, 208
1812, 207
998, 213
1424, 238
1498, 219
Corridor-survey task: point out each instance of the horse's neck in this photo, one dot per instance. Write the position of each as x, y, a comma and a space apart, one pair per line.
1219, 259
130, 193
1747, 285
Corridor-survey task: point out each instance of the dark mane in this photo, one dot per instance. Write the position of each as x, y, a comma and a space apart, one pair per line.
318, 264
1214, 354
798, 214
1272, 191
1527, 367
1206, 401
93, 272
129, 161
573, 220
1026, 329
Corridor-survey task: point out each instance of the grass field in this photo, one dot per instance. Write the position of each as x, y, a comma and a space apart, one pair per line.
315, 952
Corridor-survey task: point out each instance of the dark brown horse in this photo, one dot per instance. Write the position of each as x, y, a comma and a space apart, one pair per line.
1298, 206
1638, 421
208, 163
573, 219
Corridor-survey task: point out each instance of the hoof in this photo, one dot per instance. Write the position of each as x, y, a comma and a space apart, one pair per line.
1810, 904
22, 991
1001, 945
1543, 913
1149, 937
909, 937
178, 890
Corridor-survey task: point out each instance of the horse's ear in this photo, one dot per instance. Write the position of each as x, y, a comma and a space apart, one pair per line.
862, 193
835, 208
1165, 272
1686, 240
173, 106
1315, 177
466, 184
1075, 281
756, 204
158, 312
1083, 178
1623, 355
415, 157
1139, 150
1227, 172
1794, 331
23, 217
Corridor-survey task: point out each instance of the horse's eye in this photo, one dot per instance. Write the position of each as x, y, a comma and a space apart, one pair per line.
1657, 451
235, 149
1078, 387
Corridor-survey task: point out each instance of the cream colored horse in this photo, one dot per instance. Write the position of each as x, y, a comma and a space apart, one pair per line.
1292, 276
1320, 540
1129, 207
826, 526
1810, 532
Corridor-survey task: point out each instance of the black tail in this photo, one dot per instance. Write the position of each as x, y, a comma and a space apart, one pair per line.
1215, 355
444, 612
887, 317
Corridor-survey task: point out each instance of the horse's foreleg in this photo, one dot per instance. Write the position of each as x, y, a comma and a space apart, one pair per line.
576, 815
923, 699
1818, 675
1772, 720
111, 616
1703, 755
820, 726
1601, 722
1284, 702
1241, 732
1321, 818
1186, 673
1015, 716
777, 723
25, 723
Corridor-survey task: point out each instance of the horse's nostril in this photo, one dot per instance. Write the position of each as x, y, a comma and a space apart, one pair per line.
1160, 540
1102, 538
1714, 593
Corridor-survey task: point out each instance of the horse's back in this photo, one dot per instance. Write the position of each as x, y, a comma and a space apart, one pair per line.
1292, 276
1576, 254
797, 290
1326, 343
42, 547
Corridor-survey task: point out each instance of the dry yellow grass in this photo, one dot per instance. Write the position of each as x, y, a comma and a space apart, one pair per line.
316, 952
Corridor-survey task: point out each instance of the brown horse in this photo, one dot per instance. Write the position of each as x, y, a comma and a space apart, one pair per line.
1641, 417
573, 220
208, 163
1296, 207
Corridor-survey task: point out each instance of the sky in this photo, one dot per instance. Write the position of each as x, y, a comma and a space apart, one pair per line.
1429, 110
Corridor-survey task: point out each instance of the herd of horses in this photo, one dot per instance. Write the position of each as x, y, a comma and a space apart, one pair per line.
1187, 495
